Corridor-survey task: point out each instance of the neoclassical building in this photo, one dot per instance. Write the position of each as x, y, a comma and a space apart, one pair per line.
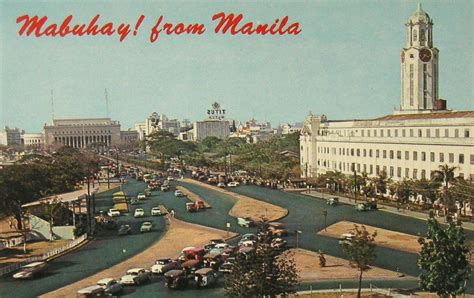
410, 143
79, 133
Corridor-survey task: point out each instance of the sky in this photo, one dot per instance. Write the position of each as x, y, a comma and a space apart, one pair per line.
345, 63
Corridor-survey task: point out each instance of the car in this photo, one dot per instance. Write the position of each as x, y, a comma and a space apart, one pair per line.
141, 196
134, 202
113, 212
222, 245
165, 187
191, 207
148, 192
346, 238
233, 184
277, 229
135, 276
146, 227
226, 267
170, 178
245, 222
157, 268
171, 266
178, 193
155, 211
30, 270
278, 243
247, 237
110, 285
221, 184
91, 291
216, 241
205, 277
332, 201
124, 230
139, 212
176, 279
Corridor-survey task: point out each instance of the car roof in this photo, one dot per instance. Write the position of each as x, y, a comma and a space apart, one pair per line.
34, 264
135, 269
204, 271
105, 280
147, 223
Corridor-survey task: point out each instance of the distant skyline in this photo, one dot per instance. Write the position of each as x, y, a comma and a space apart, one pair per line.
345, 63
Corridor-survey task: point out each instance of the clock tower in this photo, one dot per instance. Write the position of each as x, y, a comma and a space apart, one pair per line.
419, 65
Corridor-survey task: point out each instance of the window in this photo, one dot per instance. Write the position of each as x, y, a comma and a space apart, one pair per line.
375, 132
391, 154
365, 152
415, 174
396, 132
381, 132
370, 152
301, 148
407, 155
377, 169
362, 131
377, 154
415, 155
365, 168
358, 167
466, 133
428, 133
451, 157
371, 169
411, 132
384, 154
472, 159
352, 152
420, 133
358, 152
391, 172
456, 133
368, 133
399, 154
437, 133
446, 133
407, 173
423, 156
441, 157
423, 174
461, 158
388, 132
399, 172
403, 133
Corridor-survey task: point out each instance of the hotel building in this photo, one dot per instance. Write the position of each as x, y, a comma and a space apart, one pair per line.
410, 143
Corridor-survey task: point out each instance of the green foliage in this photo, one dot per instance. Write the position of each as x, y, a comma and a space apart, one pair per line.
360, 251
263, 272
443, 260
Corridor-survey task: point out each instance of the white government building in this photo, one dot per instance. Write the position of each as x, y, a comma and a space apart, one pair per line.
410, 143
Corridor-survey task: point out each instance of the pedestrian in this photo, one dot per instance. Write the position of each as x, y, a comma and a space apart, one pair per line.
172, 212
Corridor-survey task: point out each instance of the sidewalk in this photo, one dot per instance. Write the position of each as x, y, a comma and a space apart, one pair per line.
403, 212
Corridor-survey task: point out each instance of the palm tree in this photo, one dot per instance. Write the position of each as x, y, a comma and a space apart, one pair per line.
445, 174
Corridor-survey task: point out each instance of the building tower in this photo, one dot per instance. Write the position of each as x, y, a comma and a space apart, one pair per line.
419, 65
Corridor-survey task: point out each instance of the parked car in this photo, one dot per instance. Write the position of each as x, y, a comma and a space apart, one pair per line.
91, 291
139, 212
175, 279
277, 229
159, 265
178, 193
171, 266
278, 243
30, 270
247, 237
135, 276
110, 285
170, 178
233, 184
165, 187
124, 230
190, 266
221, 184
113, 212
226, 267
141, 196
222, 245
148, 192
146, 227
333, 201
191, 207
155, 211
205, 277
245, 222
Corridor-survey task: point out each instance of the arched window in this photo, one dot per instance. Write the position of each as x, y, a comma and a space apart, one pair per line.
414, 35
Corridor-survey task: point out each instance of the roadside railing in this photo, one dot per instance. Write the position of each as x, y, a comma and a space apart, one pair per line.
45, 256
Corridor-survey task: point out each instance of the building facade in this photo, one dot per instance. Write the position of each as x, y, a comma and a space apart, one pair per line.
10, 136
412, 142
211, 128
156, 122
80, 133
128, 136
32, 139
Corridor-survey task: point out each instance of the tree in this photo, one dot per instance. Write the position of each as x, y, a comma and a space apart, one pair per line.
360, 251
445, 174
264, 271
443, 260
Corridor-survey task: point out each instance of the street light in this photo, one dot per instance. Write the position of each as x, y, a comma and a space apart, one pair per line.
297, 232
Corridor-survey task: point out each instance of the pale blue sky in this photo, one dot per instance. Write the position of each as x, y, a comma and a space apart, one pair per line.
344, 64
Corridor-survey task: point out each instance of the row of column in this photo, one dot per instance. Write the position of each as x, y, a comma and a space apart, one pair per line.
83, 141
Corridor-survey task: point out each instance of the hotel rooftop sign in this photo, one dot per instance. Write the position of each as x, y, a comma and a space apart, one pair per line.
215, 112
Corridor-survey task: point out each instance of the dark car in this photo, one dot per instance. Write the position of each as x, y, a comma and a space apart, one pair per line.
125, 230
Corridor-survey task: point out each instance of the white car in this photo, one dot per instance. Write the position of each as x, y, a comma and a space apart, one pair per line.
30, 270
146, 227
155, 211
221, 184
135, 276
110, 285
157, 268
141, 196
139, 212
233, 184
113, 213
178, 193
170, 178
222, 245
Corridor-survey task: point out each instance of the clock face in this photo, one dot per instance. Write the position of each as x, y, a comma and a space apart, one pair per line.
425, 55
402, 56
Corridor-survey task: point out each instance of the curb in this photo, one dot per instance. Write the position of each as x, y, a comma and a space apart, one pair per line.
80, 245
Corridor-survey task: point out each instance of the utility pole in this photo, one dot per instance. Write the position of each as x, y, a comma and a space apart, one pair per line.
325, 214
355, 186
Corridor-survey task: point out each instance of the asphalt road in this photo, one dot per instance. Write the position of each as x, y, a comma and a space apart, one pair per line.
106, 250
305, 214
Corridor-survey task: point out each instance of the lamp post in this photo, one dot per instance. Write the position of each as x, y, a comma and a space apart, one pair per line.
297, 232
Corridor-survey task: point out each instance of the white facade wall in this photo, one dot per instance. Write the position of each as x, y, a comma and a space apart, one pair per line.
211, 128
32, 139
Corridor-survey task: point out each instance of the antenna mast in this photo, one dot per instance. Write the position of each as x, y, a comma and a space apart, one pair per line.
52, 106
106, 103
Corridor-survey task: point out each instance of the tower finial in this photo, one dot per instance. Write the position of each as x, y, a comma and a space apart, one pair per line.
419, 6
